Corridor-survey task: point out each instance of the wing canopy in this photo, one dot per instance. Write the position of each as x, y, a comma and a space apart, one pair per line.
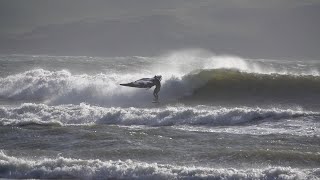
141, 83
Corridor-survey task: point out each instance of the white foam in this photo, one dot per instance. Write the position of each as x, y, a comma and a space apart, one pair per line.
60, 167
59, 87
85, 114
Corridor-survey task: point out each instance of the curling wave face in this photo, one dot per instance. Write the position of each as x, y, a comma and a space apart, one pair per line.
233, 86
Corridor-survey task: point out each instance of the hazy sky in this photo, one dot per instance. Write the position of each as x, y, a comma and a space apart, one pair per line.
257, 28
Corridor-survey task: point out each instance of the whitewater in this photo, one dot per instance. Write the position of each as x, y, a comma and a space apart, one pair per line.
220, 117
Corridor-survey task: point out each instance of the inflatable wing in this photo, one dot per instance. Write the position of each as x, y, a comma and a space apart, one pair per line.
141, 83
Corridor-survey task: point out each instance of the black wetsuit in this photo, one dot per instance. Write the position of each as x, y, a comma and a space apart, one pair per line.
157, 89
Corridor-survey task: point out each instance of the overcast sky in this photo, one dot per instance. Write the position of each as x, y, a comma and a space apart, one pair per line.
252, 28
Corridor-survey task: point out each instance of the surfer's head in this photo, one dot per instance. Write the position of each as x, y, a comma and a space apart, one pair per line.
159, 77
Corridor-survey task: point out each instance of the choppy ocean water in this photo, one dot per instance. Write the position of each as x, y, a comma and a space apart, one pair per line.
220, 117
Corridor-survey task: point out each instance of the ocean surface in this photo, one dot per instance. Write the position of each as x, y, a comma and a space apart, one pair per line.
219, 117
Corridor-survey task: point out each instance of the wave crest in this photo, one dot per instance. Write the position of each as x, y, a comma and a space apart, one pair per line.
84, 114
232, 86
60, 167
36, 84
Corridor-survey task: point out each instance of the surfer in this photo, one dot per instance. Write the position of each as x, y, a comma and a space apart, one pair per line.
156, 81
147, 83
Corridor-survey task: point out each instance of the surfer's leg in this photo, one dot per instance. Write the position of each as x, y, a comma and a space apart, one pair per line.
155, 94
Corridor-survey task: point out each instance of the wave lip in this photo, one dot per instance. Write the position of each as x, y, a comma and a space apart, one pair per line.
60, 167
85, 114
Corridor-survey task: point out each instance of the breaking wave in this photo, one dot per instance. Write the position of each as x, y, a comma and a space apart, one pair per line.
191, 75
62, 87
61, 167
85, 114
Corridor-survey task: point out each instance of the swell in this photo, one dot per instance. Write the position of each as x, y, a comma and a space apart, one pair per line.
60, 167
84, 114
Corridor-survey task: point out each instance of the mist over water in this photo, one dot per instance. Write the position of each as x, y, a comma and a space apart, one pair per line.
219, 117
